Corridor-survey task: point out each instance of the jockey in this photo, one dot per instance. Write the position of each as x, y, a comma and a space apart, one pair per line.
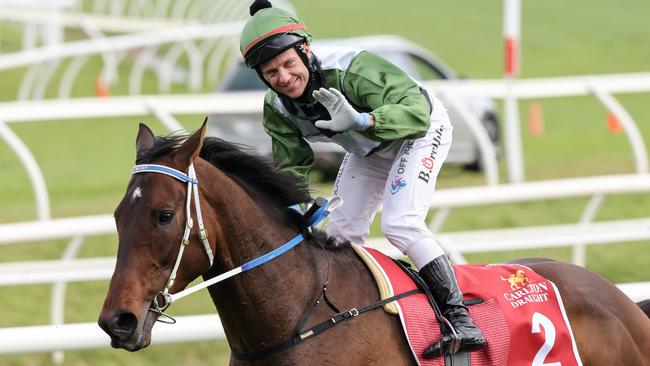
395, 134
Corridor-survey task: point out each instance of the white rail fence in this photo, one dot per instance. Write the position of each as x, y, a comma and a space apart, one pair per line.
164, 107
79, 336
60, 337
579, 234
204, 59
156, 36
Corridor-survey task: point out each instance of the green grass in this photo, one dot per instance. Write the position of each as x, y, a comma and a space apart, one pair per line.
86, 163
197, 353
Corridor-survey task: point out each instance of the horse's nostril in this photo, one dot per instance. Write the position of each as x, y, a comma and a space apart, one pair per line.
124, 324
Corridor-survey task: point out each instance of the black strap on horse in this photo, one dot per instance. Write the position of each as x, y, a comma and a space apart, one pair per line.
458, 358
339, 317
419, 282
317, 329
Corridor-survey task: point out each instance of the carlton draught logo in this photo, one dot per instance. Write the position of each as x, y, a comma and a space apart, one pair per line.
522, 291
517, 280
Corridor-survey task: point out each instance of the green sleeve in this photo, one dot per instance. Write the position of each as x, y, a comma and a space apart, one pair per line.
396, 102
290, 150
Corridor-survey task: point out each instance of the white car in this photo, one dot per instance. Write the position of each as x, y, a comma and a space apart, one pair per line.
413, 59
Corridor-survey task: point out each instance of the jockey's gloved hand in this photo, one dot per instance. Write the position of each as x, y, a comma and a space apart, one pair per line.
344, 117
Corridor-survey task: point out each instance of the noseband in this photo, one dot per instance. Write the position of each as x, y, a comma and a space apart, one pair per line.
192, 187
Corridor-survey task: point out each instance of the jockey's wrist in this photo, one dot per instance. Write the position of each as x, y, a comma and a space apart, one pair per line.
371, 123
364, 121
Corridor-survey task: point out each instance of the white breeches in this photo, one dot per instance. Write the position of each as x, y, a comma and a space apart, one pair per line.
403, 176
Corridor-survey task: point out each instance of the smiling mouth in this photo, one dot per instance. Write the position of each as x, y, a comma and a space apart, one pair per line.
291, 84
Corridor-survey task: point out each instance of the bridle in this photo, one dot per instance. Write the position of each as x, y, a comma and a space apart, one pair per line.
193, 190
299, 335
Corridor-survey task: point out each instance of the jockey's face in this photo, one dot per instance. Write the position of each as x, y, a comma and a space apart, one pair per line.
286, 73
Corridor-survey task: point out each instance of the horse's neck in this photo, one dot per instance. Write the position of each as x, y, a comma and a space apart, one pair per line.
266, 302
247, 230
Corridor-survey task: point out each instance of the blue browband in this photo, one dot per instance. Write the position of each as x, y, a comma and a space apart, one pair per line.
146, 168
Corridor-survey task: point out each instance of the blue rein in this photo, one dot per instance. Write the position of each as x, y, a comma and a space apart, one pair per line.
272, 254
315, 219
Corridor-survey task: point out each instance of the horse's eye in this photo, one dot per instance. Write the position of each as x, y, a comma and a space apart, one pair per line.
165, 217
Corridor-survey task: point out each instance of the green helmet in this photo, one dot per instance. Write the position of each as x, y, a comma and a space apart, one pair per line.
269, 32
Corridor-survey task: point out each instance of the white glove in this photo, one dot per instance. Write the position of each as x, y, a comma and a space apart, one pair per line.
344, 117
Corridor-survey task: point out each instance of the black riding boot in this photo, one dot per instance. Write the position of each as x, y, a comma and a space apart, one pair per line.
439, 276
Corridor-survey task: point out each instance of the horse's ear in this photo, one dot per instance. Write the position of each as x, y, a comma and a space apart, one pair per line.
190, 149
144, 140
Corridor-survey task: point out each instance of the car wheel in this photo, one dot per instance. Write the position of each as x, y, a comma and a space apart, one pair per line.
491, 125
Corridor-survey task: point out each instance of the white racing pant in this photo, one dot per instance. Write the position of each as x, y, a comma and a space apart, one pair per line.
403, 176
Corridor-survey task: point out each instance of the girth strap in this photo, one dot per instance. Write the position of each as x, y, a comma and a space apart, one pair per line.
317, 329
458, 359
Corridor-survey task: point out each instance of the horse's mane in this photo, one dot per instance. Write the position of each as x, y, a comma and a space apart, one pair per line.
257, 174
275, 189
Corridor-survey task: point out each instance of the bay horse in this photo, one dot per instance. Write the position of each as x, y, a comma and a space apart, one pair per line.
243, 206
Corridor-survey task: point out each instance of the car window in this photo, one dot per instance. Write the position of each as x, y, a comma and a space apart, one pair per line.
403, 61
426, 70
415, 66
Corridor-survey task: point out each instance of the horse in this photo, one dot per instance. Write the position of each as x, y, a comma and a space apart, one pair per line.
244, 213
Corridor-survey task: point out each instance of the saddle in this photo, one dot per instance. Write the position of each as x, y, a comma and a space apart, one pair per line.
521, 313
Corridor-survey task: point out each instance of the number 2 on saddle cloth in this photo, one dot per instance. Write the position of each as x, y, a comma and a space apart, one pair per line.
520, 313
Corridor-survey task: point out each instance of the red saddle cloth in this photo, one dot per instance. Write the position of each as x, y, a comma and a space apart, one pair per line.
522, 316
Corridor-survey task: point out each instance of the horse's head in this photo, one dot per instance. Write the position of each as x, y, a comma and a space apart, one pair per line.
151, 220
